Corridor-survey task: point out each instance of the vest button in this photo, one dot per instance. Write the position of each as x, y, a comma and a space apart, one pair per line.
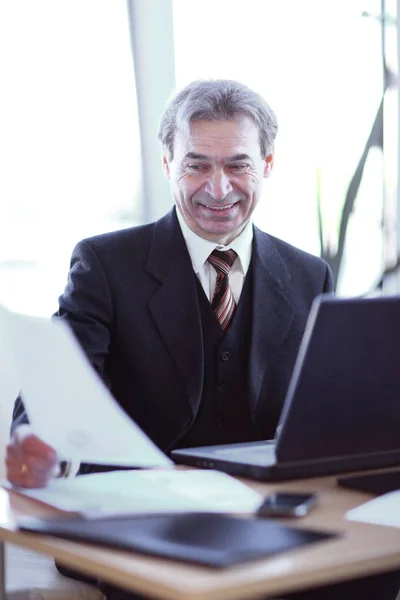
226, 355
221, 388
219, 423
187, 422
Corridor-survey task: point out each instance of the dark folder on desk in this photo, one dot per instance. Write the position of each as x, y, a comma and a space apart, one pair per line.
372, 483
213, 540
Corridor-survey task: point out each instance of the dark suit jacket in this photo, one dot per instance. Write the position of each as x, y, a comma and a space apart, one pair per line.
131, 300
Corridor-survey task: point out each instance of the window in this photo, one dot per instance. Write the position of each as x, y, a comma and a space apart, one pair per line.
319, 65
70, 142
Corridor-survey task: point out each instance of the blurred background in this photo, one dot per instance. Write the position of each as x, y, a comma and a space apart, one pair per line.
84, 83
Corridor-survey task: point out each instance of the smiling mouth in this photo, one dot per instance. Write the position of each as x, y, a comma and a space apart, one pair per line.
218, 207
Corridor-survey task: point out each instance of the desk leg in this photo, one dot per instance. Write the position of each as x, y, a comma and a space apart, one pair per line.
2, 572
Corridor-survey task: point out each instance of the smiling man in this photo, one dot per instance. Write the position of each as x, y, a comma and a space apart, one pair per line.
216, 174
195, 321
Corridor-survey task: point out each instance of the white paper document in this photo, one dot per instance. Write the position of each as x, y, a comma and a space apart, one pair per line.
384, 510
68, 405
131, 492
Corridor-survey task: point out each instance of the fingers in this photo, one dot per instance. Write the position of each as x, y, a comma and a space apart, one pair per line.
26, 470
30, 461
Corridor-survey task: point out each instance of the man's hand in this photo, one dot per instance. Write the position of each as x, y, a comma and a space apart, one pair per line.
30, 462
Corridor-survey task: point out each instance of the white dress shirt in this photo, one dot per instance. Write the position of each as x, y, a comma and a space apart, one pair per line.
200, 249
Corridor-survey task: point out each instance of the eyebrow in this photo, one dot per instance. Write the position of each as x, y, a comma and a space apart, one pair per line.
196, 156
240, 157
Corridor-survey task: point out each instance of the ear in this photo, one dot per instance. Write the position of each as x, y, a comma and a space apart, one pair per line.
268, 164
165, 165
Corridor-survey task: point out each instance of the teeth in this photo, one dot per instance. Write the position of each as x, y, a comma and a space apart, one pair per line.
220, 207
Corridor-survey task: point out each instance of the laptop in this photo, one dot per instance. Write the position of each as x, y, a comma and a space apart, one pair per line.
342, 408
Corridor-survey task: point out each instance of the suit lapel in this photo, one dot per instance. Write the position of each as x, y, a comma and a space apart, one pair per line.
272, 313
174, 306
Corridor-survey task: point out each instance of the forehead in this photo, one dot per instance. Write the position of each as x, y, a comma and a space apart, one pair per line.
219, 138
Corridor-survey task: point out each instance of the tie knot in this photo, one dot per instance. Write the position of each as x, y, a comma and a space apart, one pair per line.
222, 260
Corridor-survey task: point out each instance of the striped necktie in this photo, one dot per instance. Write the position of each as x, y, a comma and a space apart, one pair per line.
223, 302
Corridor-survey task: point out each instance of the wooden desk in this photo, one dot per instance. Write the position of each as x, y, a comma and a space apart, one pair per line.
363, 550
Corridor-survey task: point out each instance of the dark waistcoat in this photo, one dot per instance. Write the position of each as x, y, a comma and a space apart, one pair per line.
224, 413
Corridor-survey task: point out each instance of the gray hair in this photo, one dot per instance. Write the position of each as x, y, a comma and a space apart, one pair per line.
216, 100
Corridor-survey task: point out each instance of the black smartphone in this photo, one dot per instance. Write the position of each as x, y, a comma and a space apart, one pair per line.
285, 504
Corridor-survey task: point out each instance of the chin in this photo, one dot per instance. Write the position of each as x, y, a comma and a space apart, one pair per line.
220, 235
220, 230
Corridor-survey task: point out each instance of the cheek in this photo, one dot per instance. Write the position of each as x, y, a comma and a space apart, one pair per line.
183, 195
180, 185
255, 178
184, 189
248, 186
189, 188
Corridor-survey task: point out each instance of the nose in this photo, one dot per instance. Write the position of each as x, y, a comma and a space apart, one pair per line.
218, 184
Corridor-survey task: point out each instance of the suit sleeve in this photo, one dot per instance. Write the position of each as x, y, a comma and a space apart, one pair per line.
87, 306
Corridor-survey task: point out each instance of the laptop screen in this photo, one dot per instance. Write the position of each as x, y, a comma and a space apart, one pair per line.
344, 395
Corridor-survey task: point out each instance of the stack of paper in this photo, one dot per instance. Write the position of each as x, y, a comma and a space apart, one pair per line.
69, 407
151, 491
384, 510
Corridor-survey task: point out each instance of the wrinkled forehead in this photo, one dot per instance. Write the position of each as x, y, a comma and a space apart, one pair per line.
218, 138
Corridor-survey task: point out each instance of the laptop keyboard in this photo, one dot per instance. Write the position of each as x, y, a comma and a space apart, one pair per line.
260, 454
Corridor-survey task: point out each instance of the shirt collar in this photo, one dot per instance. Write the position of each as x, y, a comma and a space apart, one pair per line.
200, 249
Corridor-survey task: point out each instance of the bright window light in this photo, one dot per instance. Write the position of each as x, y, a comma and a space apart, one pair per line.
69, 139
319, 66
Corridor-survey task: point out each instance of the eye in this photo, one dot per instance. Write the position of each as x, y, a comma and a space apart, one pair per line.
198, 167
238, 167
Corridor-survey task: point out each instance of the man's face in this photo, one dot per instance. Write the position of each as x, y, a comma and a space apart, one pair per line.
216, 176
